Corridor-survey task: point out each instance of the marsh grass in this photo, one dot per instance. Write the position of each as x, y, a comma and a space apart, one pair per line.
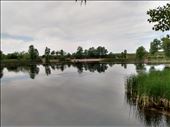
150, 90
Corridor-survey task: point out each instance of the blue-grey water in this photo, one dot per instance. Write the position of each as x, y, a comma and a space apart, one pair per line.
72, 95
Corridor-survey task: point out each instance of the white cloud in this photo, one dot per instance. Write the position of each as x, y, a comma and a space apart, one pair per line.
118, 25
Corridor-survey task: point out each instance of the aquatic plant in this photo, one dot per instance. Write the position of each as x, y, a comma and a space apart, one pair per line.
150, 90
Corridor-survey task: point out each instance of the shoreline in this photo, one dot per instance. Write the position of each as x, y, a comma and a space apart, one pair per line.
88, 60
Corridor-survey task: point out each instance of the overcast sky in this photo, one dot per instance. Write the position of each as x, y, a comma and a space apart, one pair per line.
67, 25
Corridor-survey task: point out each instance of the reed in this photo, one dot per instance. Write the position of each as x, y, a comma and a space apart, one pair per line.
150, 90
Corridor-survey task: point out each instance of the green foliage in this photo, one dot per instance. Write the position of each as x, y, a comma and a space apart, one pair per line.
166, 45
160, 16
123, 54
79, 53
91, 52
155, 46
101, 51
33, 52
47, 54
2, 56
153, 84
53, 53
140, 53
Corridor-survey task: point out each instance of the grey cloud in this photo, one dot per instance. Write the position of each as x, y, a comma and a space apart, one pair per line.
116, 24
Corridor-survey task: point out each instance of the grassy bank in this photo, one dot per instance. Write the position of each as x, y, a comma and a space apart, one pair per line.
150, 90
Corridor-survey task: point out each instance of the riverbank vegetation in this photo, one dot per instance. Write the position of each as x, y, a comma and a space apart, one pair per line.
159, 51
150, 90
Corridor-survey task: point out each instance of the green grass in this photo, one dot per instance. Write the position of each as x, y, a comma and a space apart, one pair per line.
154, 84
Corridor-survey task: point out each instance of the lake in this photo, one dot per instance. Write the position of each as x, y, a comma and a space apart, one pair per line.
90, 94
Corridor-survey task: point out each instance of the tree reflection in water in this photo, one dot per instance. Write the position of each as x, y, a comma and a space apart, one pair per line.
124, 65
140, 68
33, 69
47, 69
150, 118
1, 71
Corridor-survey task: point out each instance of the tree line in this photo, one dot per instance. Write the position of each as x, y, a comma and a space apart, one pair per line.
159, 16
33, 54
156, 47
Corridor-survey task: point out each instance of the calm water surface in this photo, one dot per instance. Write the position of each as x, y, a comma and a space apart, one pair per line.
69, 95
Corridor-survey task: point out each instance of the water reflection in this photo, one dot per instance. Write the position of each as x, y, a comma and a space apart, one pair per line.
140, 68
33, 70
100, 99
124, 65
152, 68
1, 71
151, 118
47, 69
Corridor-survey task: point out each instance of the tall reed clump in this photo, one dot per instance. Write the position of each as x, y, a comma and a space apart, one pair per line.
150, 90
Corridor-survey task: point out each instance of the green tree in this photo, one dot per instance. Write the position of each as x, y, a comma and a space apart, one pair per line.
33, 53
79, 53
86, 53
140, 53
125, 54
2, 56
91, 52
14, 55
101, 51
122, 55
47, 54
155, 46
57, 53
160, 16
53, 54
166, 45
62, 55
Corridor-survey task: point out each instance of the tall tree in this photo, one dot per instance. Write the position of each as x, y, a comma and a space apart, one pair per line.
91, 52
125, 54
33, 53
166, 45
2, 56
101, 51
62, 52
47, 54
62, 55
160, 16
79, 53
53, 53
155, 46
140, 53
86, 53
